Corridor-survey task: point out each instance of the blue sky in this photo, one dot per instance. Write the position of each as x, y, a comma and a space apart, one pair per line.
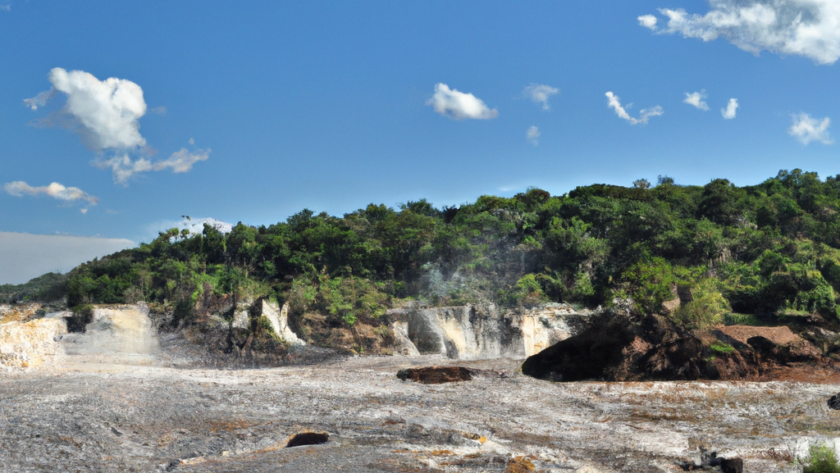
270, 107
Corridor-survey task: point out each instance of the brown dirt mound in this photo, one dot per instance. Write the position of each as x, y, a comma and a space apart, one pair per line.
778, 335
435, 374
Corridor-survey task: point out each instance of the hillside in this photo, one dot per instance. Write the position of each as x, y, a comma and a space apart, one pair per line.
739, 254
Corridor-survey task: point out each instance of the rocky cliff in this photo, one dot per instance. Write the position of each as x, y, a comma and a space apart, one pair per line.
483, 331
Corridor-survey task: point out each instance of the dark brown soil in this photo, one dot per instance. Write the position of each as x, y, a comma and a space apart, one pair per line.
435, 374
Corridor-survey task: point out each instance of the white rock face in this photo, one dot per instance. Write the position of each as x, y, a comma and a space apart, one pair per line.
241, 316
279, 318
30, 344
481, 332
115, 333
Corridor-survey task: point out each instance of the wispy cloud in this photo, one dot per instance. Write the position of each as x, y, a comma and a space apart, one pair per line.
124, 167
533, 135
644, 115
458, 105
807, 129
54, 190
801, 27
540, 93
696, 99
729, 112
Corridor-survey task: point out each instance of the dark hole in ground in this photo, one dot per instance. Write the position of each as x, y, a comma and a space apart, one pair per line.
435, 374
308, 438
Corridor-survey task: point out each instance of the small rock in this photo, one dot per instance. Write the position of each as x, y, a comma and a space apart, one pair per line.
834, 402
732, 465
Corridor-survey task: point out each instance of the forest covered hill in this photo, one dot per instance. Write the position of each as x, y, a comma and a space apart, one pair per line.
744, 253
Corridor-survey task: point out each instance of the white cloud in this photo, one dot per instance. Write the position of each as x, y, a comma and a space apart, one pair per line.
807, 129
729, 112
24, 256
83, 211
192, 141
648, 21
105, 113
809, 28
696, 99
458, 105
539, 93
124, 168
54, 190
194, 225
644, 115
159, 110
533, 135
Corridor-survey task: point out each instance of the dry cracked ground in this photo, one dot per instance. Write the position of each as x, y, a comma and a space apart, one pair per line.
168, 413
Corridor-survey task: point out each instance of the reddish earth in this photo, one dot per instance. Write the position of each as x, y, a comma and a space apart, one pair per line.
778, 335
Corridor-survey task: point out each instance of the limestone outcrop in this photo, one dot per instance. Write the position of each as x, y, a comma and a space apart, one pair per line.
483, 331
279, 318
30, 344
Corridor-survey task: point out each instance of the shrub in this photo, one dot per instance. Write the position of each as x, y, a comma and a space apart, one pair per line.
650, 283
822, 459
707, 309
82, 315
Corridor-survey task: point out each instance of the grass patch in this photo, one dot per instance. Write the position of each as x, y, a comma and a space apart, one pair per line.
720, 347
742, 319
822, 459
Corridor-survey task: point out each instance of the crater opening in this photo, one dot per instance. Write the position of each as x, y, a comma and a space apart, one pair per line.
307, 438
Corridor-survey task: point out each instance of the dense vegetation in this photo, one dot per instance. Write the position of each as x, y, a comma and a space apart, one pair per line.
766, 250
48, 288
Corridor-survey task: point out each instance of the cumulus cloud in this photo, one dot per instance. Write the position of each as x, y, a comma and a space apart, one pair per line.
54, 190
644, 115
124, 168
457, 105
539, 93
533, 135
729, 112
809, 28
104, 113
695, 99
807, 129
648, 21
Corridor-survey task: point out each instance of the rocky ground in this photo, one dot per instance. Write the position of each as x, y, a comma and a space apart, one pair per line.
120, 397
172, 415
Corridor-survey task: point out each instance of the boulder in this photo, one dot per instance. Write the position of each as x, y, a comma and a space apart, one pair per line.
732, 465
834, 402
